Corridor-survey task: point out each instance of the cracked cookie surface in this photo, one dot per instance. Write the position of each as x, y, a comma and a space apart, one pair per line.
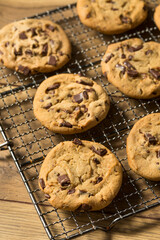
111, 17
133, 66
80, 175
143, 147
30, 46
69, 103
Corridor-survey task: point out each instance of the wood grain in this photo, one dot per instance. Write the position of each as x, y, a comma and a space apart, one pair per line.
18, 218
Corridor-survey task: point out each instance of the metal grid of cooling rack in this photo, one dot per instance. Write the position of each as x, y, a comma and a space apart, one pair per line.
29, 142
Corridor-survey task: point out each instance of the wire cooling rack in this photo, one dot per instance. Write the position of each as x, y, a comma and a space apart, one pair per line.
29, 142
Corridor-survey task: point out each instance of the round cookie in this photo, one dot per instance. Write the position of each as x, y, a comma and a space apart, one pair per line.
143, 147
133, 66
157, 16
32, 45
69, 103
111, 17
80, 175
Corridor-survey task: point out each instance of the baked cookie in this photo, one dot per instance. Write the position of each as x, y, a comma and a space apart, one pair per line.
69, 103
111, 17
157, 16
80, 175
33, 45
133, 66
143, 147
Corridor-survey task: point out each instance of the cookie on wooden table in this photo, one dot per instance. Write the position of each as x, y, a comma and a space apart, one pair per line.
69, 103
80, 175
31, 45
133, 66
143, 147
111, 17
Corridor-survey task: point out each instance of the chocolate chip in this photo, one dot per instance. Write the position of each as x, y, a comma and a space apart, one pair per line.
18, 52
132, 73
47, 196
155, 73
48, 106
23, 36
96, 160
158, 154
148, 52
97, 119
82, 192
24, 70
134, 49
125, 19
99, 151
130, 57
109, 57
52, 87
77, 141
42, 183
44, 49
129, 65
84, 207
29, 52
41, 100
52, 61
1, 53
63, 180
33, 30
86, 83
71, 191
84, 108
123, 56
98, 180
123, 69
50, 27
66, 124
85, 94
7, 44
88, 15
78, 97
114, 9
151, 139
61, 53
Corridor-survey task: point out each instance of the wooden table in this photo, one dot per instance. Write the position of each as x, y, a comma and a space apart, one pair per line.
18, 218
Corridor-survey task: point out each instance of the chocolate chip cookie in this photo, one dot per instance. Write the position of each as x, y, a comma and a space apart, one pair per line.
80, 175
111, 17
69, 103
143, 147
157, 16
30, 46
133, 66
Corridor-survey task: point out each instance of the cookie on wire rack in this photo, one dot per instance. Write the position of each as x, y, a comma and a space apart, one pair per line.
133, 66
31, 45
143, 147
69, 103
80, 175
111, 17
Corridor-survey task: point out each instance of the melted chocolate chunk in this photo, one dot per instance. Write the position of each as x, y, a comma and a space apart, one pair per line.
86, 83
123, 56
42, 183
84, 108
61, 53
66, 124
130, 57
47, 195
85, 94
78, 97
24, 70
158, 154
77, 141
52, 61
71, 191
84, 207
33, 30
88, 15
125, 20
109, 57
6, 44
29, 52
98, 180
132, 73
114, 9
63, 180
51, 28
155, 73
48, 106
151, 139
22, 36
82, 192
44, 49
129, 65
99, 151
97, 119
96, 160
123, 69
134, 49
148, 52
18, 52
52, 87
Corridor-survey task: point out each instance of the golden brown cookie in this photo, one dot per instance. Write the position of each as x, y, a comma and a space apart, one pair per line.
69, 103
80, 175
33, 45
133, 66
111, 17
143, 147
157, 16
